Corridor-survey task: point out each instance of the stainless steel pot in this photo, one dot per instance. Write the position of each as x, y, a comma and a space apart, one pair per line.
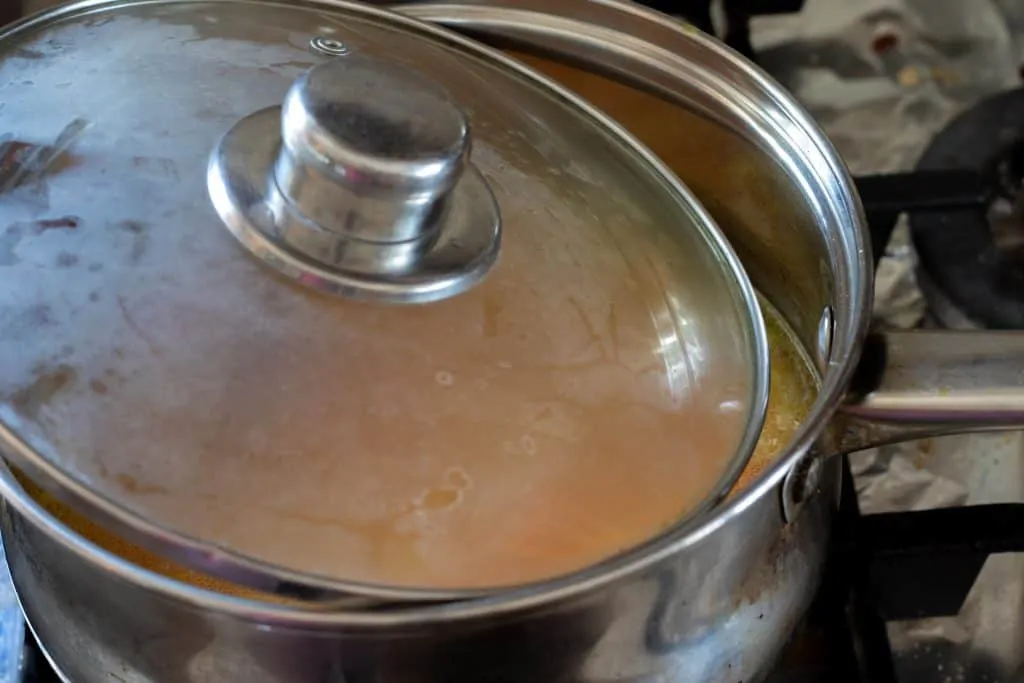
364, 429
716, 606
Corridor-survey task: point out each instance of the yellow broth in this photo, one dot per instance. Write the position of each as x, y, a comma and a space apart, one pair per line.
794, 386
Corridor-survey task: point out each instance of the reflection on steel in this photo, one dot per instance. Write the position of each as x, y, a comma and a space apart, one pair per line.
360, 184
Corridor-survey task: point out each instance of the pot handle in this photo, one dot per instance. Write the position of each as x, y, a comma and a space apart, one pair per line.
922, 383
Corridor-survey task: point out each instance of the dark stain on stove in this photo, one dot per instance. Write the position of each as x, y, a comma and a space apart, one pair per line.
98, 386
47, 384
95, 267
94, 297
764, 579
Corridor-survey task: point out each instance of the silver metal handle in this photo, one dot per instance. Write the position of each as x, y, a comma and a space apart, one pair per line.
919, 384
916, 384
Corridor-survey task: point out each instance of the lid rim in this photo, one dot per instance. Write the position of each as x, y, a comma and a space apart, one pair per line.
215, 558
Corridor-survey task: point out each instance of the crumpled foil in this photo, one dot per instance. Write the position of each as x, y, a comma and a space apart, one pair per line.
882, 77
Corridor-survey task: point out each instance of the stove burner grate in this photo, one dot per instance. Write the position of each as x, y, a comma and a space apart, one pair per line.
972, 261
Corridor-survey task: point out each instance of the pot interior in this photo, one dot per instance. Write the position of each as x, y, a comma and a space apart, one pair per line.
794, 386
771, 224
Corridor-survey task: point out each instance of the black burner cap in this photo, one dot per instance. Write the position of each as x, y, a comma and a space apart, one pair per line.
975, 259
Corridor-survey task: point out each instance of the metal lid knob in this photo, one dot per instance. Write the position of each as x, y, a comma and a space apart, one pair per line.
360, 185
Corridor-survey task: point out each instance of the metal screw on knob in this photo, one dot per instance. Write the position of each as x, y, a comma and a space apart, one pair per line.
328, 46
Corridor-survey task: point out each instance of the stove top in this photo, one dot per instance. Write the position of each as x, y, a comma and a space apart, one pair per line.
923, 100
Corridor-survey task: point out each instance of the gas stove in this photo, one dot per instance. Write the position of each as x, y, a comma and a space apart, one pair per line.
923, 99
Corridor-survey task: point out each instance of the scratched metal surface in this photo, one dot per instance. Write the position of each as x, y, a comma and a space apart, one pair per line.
882, 77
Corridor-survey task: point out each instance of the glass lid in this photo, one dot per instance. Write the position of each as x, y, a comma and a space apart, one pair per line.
315, 297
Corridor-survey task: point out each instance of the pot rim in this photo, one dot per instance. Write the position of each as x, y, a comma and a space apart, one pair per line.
836, 202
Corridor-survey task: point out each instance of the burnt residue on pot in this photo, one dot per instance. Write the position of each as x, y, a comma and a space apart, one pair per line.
708, 617
766, 577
